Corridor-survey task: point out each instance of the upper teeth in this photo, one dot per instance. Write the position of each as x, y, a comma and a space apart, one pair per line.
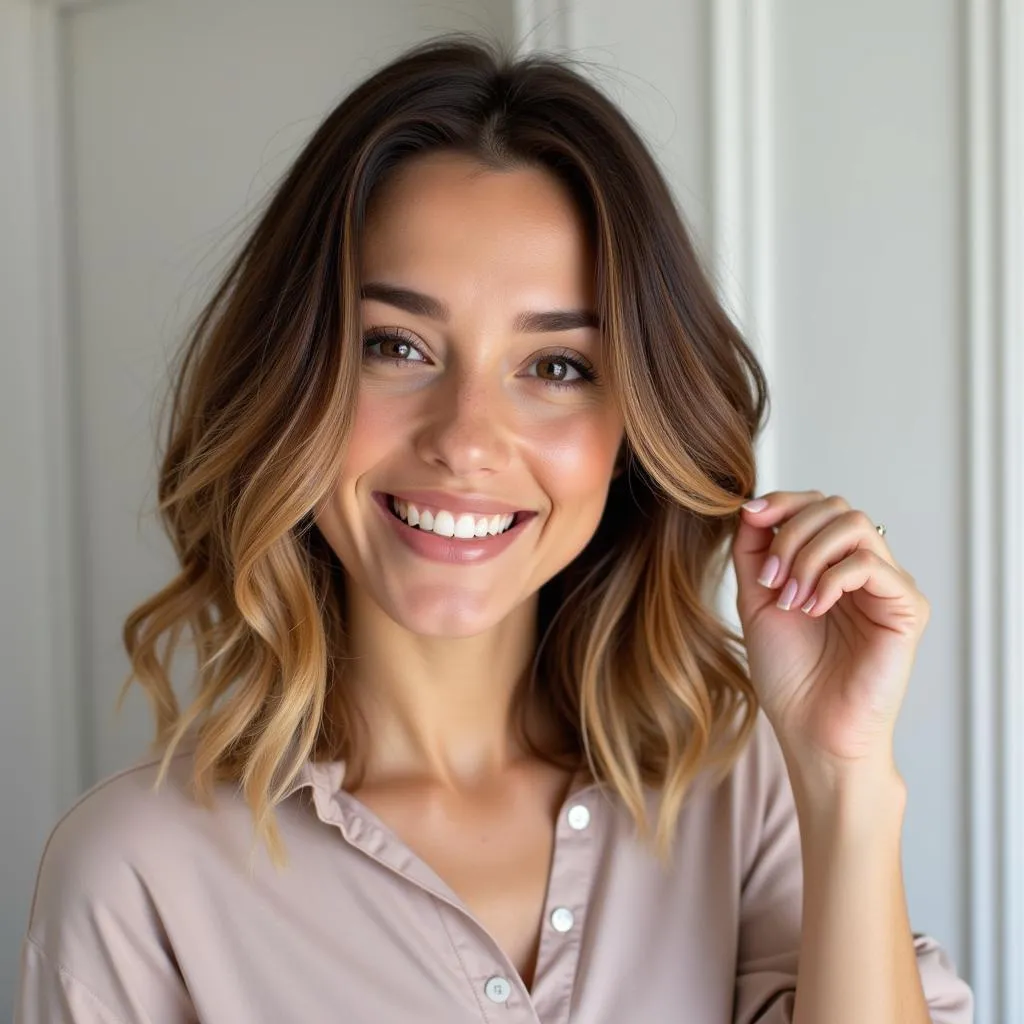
448, 525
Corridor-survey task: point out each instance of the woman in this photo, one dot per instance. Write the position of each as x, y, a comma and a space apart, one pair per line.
468, 741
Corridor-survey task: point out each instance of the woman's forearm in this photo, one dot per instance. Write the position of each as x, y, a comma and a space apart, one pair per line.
857, 960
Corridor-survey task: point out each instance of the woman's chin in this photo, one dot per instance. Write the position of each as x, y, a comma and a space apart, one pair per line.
446, 612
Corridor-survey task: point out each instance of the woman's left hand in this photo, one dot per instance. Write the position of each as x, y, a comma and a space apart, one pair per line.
830, 680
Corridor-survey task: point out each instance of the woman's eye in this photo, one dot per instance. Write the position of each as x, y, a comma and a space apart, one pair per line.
564, 370
557, 369
393, 346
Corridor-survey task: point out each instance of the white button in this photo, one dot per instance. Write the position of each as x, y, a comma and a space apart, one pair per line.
498, 989
579, 817
562, 919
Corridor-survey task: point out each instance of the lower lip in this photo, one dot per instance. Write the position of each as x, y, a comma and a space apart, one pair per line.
450, 549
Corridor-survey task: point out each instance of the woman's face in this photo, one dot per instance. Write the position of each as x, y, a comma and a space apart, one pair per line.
461, 395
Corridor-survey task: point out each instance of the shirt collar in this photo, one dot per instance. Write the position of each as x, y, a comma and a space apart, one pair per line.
325, 778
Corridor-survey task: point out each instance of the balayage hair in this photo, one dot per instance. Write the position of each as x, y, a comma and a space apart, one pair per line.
649, 685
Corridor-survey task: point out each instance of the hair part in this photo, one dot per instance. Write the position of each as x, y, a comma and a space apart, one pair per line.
646, 682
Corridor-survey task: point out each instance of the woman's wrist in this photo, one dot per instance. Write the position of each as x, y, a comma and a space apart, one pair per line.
853, 801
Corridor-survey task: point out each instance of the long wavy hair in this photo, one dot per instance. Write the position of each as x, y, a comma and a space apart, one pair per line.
647, 682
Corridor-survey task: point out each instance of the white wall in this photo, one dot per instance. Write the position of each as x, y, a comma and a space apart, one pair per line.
845, 176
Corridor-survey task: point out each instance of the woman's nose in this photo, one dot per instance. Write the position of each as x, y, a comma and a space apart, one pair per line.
467, 428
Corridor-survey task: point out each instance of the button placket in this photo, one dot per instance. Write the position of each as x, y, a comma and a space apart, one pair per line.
572, 873
378, 843
573, 868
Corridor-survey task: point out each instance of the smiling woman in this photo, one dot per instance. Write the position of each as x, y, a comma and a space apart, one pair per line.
455, 457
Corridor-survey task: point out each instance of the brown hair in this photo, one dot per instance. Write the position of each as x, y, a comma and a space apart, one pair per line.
647, 680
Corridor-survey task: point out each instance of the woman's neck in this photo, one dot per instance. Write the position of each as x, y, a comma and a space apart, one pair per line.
441, 709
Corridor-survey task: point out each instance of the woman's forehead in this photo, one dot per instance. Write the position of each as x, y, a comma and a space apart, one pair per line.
452, 200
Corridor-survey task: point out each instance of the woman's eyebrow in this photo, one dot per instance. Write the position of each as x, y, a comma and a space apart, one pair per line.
426, 305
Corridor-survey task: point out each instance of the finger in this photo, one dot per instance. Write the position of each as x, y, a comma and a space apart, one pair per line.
842, 535
755, 533
779, 506
882, 592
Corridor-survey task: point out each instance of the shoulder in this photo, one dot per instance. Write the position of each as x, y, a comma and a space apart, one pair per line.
111, 871
103, 857
120, 816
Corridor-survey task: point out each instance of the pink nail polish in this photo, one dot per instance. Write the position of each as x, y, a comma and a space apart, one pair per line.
756, 505
769, 571
788, 594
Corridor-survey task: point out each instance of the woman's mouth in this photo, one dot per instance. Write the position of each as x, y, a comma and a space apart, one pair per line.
440, 535
462, 526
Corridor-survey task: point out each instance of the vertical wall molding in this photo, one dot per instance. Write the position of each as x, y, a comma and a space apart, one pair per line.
541, 25
1010, 107
742, 155
70, 690
69, 696
39, 192
994, 144
1011, 194
984, 853
742, 175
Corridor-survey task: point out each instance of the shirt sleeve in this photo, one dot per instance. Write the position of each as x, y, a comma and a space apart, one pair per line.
52, 995
771, 902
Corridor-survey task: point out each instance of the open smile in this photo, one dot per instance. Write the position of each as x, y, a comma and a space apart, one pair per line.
446, 538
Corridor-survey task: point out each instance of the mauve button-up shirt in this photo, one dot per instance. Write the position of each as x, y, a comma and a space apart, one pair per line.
145, 911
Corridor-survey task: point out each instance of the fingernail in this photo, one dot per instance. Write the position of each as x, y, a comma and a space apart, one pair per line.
757, 505
810, 604
769, 571
788, 594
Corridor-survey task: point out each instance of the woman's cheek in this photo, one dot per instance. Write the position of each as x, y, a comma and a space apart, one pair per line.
578, 454
375, 431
